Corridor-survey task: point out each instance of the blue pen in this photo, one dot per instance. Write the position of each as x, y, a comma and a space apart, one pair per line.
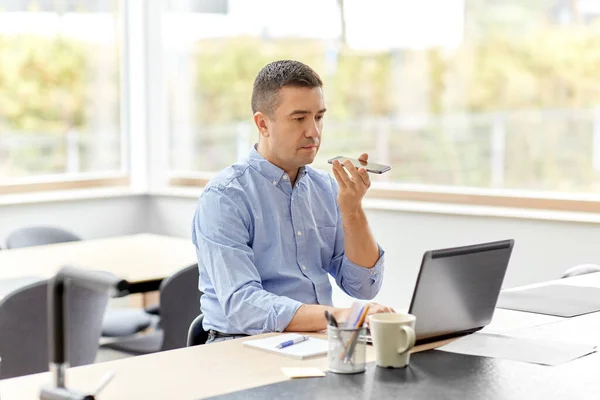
355, 325
288, 343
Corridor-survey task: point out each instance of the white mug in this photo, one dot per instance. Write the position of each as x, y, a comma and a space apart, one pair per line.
393, 336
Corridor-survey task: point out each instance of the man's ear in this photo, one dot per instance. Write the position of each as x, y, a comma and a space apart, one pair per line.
262, 123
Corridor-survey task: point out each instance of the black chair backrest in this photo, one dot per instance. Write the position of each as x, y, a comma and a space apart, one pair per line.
196, 334
24, 328
38, 236
179, 305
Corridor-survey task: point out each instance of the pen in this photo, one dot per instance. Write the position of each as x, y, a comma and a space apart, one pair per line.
357, 322
288, 343
347, 355
331, 319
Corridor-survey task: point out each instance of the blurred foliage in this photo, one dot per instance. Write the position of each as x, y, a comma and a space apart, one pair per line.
554, 68
50, 87
226, 69
42, 92
42, 84
557, 67
491, 76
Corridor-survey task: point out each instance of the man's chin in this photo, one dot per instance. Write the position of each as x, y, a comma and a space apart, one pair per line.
309, 158
310, 161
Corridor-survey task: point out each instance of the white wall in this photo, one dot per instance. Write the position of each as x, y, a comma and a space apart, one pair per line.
89, 218
543, 249
172, 215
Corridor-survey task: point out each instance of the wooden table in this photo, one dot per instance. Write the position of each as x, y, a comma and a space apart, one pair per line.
209, 370
136, 258
144, 260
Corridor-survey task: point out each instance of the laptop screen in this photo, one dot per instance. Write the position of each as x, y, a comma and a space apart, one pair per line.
457, 289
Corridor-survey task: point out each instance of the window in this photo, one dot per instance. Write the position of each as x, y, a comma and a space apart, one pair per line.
472, 94
60, 91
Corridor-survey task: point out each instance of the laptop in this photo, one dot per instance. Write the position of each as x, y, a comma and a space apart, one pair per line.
457, 289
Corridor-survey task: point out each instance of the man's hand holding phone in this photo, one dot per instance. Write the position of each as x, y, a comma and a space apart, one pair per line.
352, 184
359, 244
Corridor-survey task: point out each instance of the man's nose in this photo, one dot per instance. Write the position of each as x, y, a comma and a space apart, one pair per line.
313, 130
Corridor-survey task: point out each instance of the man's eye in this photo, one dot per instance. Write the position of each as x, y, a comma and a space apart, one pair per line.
319, 117
300, 119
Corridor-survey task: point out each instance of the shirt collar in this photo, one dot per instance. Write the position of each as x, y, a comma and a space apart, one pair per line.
270, 171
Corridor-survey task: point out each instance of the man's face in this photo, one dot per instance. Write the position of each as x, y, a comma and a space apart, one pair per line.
295, 131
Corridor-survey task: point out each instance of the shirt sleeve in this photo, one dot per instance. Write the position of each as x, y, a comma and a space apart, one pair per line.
221, 233
356, 281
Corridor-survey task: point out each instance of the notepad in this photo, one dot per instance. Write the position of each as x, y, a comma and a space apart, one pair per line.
312, 347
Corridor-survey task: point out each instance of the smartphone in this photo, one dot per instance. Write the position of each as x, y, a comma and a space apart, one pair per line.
369, 166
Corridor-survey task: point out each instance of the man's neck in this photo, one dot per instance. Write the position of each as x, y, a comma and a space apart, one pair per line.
291, 172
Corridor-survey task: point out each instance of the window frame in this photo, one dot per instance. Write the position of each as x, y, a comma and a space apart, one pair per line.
61, 183
129, 15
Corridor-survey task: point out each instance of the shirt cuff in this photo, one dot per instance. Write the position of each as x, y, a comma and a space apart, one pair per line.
356, 272
281, 314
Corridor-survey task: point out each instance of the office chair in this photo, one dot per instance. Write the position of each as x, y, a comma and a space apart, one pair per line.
24, 328
581, 270
196, 334
117, 322
179, 304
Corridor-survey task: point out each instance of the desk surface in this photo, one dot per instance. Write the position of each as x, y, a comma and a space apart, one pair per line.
226, 367
137, 258
441, 375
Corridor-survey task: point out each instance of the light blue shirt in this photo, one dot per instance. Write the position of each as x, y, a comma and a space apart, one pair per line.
265, 248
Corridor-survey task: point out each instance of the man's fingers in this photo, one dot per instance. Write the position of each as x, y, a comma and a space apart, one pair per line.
364, 157
375, 308
342, 173
353, 171
364, 175
337, 176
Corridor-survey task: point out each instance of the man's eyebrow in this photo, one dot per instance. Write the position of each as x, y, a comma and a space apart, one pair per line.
301, 112
304, 112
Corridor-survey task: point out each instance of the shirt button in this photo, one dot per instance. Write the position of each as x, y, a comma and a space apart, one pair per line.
304, 267
274, 182
285, 177
299, 233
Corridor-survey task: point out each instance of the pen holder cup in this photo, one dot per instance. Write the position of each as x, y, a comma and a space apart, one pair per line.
347, 350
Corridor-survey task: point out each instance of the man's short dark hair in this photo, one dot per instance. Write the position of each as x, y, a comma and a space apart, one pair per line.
274, 76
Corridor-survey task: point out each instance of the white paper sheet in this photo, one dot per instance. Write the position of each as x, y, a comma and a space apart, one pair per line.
536, 351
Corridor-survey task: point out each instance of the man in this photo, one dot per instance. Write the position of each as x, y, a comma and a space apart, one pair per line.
269, 230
